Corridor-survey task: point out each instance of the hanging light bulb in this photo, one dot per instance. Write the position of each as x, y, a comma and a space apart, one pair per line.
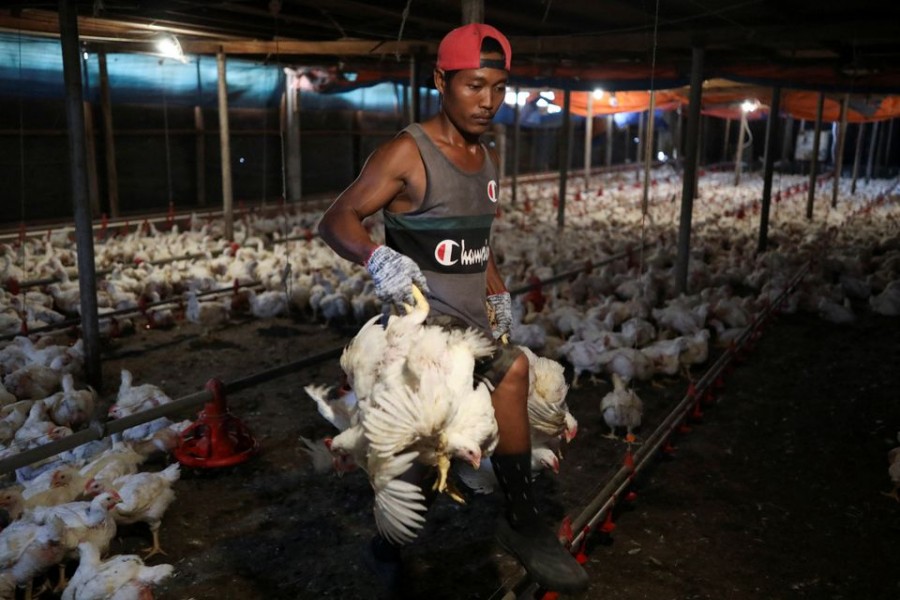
169, 47
598, 94
748, 106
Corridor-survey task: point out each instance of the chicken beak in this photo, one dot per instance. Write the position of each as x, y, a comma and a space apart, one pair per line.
571, 433
475, 462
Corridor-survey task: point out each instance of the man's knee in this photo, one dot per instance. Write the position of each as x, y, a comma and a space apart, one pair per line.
517, 374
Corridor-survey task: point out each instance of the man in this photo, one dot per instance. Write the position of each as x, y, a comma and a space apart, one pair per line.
437, 185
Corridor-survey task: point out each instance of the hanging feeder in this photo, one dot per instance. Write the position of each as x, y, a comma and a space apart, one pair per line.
217, 438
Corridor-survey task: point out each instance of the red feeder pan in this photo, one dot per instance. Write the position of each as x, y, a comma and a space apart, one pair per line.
217, 438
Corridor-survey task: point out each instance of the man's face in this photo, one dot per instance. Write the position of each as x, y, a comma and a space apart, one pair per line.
473, 96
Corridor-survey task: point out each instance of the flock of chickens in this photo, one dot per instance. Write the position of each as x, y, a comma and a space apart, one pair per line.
68, 507
618, 319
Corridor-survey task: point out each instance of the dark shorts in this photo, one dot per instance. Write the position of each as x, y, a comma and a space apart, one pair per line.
491, 369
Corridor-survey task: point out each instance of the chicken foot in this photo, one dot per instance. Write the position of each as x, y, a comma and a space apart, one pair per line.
155, 548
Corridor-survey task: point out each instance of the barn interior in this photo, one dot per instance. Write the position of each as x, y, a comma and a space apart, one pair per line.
732, 166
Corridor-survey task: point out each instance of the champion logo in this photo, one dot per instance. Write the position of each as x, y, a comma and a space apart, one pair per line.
444, 253
492, 190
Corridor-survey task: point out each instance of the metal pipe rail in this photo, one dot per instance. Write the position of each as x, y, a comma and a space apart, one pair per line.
606, 498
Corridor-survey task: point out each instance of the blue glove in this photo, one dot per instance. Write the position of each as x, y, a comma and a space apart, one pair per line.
394, 275
500, 307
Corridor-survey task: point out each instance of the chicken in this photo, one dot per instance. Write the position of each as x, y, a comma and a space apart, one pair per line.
37, 429
12, 417
627, 363
6, 397
666, 355
71, 407
621, 408
894, 472
681, 318
417, 401
85, 520
583, 356
28, 549
696, 350
33, 381
119, 460
82, 522
121, 577
267, 305
56, 486
145, 497
131, 399
208, 314
549, 418
349, 448
833, 312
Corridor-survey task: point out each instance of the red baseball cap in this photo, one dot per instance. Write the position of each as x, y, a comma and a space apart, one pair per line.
461, 48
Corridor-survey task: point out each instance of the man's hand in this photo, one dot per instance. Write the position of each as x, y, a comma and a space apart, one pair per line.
501, 307
394, 275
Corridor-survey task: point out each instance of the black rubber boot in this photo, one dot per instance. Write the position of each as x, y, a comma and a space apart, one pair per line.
383, 560
382, 557
522, 534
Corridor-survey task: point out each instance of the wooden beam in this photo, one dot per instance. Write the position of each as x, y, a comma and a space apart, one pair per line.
112, 174
225, 143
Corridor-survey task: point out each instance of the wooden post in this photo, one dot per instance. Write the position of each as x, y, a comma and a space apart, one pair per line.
814, 160
200, 155
414, 96
84, 234
648, 153
90, 146
565, 141
839, 154
472, 11
739, 153
859, 137
639, 151
610, 128
292, 133
588, 134
516, 147
870, 160
225, 143
109, 139
771, 140
725, 142
690, 171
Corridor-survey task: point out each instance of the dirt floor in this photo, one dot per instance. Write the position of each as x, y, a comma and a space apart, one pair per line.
774, 494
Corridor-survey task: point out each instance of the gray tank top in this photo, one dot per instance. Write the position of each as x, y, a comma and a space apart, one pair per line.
449, 235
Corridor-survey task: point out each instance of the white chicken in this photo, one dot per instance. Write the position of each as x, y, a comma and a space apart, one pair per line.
119, 460
33, 381
131, 398
12, 417
145, 497
208, 314
417, 401
6, 397
37, 429
549, 418
82, 522
622, 408
121, 577
28, 549
71, 407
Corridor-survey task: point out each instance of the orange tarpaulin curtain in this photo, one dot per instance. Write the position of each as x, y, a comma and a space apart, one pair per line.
622, 102
802, 105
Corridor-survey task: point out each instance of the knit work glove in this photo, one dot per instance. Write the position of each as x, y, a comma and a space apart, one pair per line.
500, 313
394, 275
